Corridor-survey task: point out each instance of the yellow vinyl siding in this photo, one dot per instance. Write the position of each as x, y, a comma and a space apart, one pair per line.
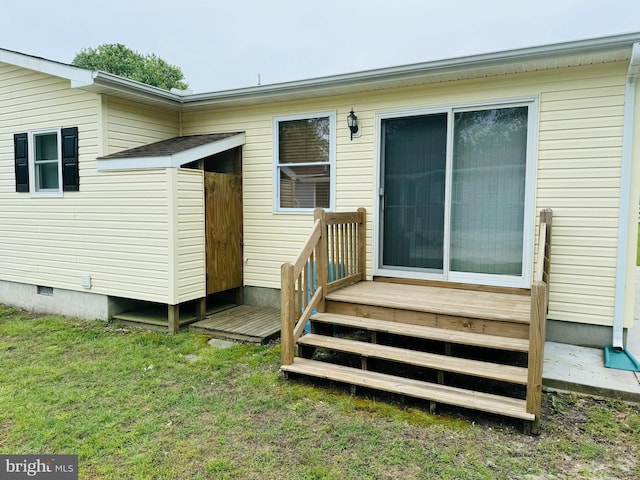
130, 125
189, 235
578, 168
580, 147
114, 229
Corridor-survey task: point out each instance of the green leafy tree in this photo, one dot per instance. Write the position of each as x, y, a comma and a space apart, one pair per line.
120, 60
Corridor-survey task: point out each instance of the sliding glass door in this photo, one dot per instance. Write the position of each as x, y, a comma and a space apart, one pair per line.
414, 165
453, 196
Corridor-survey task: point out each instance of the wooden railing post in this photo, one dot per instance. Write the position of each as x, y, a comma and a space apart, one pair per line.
322, 260
538, 318
287, 315
362, 243
537, 333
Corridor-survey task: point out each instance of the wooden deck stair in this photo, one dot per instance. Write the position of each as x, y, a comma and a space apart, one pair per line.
463, 345
478, 368
450, 319
414, 388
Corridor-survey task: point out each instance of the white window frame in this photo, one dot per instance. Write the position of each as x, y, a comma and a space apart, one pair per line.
33, 186
276, 160
523, 280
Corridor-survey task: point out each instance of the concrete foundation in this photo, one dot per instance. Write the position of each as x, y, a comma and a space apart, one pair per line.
262, 296
595, 336
59, 301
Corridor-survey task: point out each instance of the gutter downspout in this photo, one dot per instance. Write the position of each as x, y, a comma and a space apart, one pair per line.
625, 197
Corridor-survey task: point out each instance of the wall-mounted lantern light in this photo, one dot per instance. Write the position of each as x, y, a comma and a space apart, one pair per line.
352, 122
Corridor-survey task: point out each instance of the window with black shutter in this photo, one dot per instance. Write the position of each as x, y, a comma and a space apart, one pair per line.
70, 174
46, 161
21, 154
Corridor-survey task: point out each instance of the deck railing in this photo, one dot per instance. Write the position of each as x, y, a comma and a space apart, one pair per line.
333, 256
539, 309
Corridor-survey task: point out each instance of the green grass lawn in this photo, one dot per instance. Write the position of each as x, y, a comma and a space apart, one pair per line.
638, 250
136, 405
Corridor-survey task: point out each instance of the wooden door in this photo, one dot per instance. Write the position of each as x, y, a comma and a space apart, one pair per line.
223, 203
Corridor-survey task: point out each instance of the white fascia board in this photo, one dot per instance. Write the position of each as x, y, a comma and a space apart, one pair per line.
171, 161
470, 63
207, 150
115, 82
79, 77
137, 163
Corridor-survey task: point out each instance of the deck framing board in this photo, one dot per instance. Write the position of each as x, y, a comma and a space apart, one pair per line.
514, 308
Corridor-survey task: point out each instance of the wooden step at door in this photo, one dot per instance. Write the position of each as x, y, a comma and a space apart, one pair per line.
427, 333
477, 368
507, 307
486, 402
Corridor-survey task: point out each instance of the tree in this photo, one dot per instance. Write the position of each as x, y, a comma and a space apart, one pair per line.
120, 60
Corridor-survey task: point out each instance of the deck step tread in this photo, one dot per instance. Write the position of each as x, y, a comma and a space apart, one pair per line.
445, 301
430, 333
486, 402
477, 368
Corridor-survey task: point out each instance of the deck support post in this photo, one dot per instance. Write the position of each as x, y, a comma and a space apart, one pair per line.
201, 308
287, 318
537, 333
364, 363
174, 318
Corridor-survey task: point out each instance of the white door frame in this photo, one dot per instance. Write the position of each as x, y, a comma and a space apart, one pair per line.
524, 280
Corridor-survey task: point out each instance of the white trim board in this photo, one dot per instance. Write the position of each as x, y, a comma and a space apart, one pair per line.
523, 280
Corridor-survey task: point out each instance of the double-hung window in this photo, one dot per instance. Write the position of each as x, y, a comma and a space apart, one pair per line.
304, 151
47, 168
46, 161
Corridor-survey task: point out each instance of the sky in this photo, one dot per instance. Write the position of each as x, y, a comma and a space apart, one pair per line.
229, 44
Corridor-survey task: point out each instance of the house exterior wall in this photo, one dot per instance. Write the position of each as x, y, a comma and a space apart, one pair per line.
115, 228
578, 172
187, 235
129, 125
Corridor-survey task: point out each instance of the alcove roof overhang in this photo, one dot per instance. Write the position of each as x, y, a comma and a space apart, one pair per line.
171, 153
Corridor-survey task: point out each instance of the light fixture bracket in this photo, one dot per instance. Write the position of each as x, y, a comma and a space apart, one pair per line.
352, 123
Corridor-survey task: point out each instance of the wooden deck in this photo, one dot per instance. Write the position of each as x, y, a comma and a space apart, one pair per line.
467, 345
246, 323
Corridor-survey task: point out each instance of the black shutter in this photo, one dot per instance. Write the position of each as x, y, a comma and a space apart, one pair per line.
70, 175
21, 154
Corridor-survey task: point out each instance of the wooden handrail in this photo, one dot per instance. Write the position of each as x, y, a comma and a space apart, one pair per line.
332, 256
544, 246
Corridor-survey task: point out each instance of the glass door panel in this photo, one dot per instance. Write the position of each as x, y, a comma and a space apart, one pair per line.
413, 179
488, 191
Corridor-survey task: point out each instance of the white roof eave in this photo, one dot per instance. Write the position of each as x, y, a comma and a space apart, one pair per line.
175, 160
79, 77
581, 52
599, 50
